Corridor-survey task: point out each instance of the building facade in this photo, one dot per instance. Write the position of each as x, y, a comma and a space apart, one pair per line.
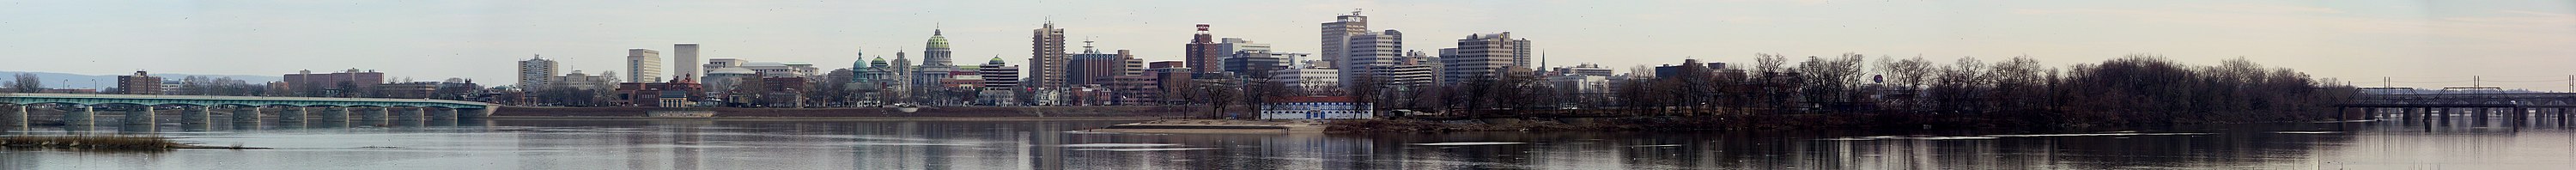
684, 62
643, 65
305, 80
1317, 107
1001, 83
533, 72
139, 83
1046, 58
1483, 56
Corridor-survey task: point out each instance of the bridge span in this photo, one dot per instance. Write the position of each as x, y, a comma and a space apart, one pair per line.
2511, 106
83, 109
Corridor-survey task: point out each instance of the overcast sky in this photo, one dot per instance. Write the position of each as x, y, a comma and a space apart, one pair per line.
2524, 44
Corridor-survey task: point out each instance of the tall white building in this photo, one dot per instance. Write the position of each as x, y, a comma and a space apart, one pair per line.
1368, 52
643, 65
686, 58
533, 72
1484, 56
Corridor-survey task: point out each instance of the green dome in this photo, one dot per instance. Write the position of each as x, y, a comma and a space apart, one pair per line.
997, 60
937, 41
879, 62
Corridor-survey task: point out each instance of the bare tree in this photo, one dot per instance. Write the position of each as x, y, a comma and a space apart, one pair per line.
27, 83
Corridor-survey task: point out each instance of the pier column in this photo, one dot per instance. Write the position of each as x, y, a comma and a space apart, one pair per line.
17, 119
140, 117
409, 114
197, 115
374, 114
293, 115
442, 114
246, 114
334, 114
82, 117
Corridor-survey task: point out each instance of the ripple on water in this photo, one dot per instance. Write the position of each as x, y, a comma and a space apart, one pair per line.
1099, 145
1144, 149
1467, 143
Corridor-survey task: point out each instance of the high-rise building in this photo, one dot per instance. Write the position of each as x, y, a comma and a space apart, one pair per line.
1046, 58
1368, 52
1338, 34
533, 72
1094, 68
139, 83
686, 57
1203, 50
643, 65
1482, 56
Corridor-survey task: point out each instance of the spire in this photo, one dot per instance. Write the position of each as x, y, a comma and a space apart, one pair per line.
934, 29
1086, 46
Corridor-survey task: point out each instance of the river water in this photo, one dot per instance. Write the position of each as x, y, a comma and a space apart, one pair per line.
638, 144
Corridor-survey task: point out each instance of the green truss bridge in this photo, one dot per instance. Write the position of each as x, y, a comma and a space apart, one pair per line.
82, 109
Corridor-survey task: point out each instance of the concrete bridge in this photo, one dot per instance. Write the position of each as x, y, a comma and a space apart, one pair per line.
83, 109
2512, 106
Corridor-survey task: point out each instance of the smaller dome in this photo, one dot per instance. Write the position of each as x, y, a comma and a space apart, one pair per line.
997, 60
732, 70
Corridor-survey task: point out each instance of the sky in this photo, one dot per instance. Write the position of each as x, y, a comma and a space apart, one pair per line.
2510, 44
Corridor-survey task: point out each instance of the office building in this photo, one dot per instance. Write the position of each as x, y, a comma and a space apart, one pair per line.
1484, 56
643, 65
685, 56
1046, 58
139, 83
533, 72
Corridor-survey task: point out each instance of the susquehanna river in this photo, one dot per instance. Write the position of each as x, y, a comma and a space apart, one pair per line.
639, 144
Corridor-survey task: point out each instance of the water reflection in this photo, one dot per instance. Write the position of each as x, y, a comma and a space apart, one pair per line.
2419, 142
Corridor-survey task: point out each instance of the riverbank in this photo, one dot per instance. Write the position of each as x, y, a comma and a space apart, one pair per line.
1743, 122
103, 143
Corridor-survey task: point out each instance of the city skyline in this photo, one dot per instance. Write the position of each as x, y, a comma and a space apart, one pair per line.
2509, 44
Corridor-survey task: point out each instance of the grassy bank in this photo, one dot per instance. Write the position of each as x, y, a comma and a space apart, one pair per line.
103, 143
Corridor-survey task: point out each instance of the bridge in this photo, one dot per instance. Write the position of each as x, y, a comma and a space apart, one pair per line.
2513, 106
82, 109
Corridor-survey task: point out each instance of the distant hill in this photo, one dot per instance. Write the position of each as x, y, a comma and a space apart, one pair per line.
79, 81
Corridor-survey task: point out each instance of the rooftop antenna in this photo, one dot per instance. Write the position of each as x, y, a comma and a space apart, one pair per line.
2477, 81
2384, 82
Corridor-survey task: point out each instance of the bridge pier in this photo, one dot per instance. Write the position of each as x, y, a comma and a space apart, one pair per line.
17, 120
196, 115
144, 117
82, 117
372, 114
246, 115
292, 115
442, 114
335, 114
409, 114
